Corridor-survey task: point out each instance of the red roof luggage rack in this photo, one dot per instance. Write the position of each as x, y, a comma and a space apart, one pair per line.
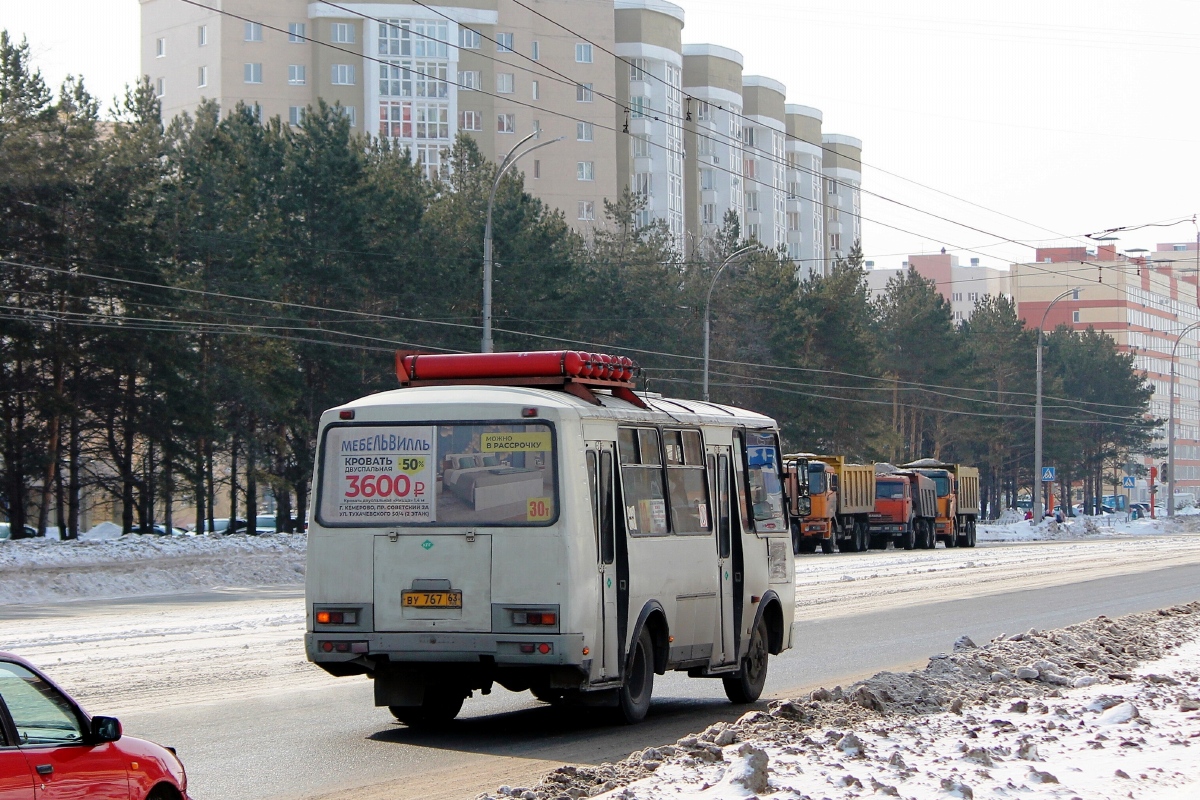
572, 371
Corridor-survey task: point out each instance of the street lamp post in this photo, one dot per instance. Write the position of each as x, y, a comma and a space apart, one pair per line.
708, 303
1038, 513
1171, 424
509, 160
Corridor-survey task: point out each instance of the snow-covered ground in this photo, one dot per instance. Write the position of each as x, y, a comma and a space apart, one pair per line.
48, 570
1107, 525
1104, 709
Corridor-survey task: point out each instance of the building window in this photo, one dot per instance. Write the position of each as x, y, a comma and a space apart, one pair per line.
793, 220
434, 158
160, 48
297, 31
637, 107
704, 112
833, 187
643, 184
537, 129
349, 113
506, 123
160, 87
972, 296
342, 75
468, 39
751, 136
202, 35
753, 231
537, 91
584, 132
504, 82
750, 169
835, 241
537, 51
469, 80
587, 210
752, 201
641, 146
432, 120
252, 73
1074, 316
395, 119
637, 69
470, 121
583, 92
295, 115
583, 53
202, 77
297, 74
1074, 294
708, 179
537, 168
342, 33
252, 32
708, 213
585, 171
504, 42
956, 297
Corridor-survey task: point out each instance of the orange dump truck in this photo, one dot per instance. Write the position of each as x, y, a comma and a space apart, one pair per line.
906, 507
841, 497
958, 499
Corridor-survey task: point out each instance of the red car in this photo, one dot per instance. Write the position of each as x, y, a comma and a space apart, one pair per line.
50, 748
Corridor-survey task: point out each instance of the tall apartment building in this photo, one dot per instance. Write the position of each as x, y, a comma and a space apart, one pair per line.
679, 125
842, 168
712, 78
805, 191
962, 285
1144, 304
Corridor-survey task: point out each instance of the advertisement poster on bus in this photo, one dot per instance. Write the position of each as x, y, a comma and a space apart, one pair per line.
379, 476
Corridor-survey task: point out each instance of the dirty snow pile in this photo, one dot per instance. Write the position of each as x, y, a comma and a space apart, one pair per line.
1104, 709
48, 570
1083, 527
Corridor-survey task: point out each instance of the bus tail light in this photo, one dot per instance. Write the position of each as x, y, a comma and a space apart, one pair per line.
545, 648
534, 618
337, 617
342, 647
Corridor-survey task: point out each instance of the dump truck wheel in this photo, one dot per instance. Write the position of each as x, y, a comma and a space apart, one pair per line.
827, 546
910, 538
808, 545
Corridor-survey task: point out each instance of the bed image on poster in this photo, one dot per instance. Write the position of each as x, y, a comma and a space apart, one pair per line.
378, 476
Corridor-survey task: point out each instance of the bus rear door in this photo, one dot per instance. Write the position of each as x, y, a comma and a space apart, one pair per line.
725, 651
600, 475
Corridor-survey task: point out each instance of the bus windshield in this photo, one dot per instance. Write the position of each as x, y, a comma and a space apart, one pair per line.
766, 491
445, 474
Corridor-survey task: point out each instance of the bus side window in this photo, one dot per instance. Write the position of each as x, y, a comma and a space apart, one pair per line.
608, 546
723, 526
645, 502
591, 468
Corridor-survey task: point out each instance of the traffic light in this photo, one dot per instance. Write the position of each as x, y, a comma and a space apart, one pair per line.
1162, 473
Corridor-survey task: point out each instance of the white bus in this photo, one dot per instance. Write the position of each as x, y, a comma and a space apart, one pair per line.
572, 543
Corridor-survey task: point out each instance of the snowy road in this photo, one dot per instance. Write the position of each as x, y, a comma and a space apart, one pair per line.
222, 676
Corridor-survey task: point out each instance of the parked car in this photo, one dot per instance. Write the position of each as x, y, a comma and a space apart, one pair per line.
221, 525
6, 532
48, 740
265, 523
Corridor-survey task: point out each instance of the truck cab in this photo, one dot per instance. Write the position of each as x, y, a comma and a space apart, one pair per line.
816, 527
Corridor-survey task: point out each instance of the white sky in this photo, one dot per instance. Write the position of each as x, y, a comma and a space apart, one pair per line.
1075, 115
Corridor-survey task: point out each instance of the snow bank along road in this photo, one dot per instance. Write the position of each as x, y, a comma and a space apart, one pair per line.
223, 673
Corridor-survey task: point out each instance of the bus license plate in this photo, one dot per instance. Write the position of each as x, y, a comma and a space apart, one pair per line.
431, 599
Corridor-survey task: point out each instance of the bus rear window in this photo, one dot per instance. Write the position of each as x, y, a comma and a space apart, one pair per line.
448, 474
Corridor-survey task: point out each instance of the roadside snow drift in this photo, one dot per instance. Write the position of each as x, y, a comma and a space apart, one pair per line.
47, 570
1065, 713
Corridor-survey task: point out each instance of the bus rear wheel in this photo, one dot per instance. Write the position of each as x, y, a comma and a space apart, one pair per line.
633, 698
440, 706
746, 685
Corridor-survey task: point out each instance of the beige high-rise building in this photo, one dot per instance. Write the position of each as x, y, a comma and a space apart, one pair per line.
842, 167
677, 124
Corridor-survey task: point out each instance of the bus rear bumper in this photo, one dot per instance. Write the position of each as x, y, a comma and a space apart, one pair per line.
526, 650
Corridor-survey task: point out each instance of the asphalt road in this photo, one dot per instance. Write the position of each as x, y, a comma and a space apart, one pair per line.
329, 741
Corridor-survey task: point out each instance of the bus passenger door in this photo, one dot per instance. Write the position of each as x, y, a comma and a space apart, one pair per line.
725, 647
600, 474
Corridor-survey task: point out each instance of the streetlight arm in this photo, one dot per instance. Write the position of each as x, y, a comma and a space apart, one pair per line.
708, 302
